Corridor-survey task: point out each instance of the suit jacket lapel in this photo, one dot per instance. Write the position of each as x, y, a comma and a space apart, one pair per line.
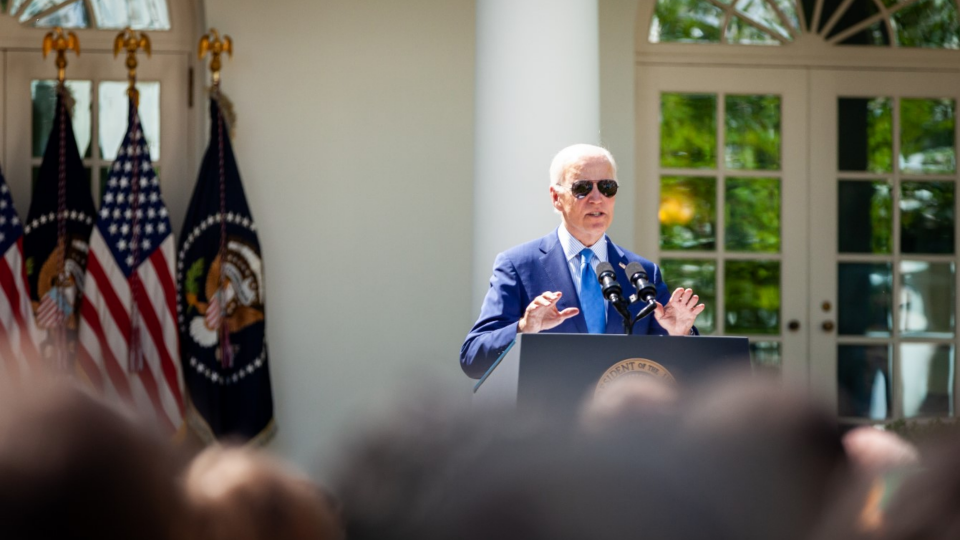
554, 262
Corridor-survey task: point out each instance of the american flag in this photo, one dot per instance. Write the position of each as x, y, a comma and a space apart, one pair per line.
18, 331
129, 345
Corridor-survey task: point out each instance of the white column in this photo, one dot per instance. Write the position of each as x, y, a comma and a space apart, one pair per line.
537, 91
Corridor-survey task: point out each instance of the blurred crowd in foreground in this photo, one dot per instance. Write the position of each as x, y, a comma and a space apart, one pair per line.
735, 458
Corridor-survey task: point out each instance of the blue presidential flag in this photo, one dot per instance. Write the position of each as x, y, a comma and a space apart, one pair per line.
220, 303
55, 241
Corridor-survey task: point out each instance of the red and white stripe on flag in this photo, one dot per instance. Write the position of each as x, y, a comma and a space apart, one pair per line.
104, 341
19, 337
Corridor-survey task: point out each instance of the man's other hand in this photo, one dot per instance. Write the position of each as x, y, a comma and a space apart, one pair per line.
680, 312
542, 314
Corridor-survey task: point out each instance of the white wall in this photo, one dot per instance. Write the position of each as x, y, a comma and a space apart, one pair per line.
355, 144
618, 120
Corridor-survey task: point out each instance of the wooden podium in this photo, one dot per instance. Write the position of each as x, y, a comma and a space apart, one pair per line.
559, 370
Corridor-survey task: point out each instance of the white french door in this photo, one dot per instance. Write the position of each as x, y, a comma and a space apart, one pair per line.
883, 277
722, 165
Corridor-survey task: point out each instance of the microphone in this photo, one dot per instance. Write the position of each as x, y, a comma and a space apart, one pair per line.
638, 278
612, 290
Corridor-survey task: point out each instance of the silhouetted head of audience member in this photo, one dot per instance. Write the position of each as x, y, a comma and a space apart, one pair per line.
629, 400
874, 451
779, 456
243, 494
437, 472
70, 467
926, 504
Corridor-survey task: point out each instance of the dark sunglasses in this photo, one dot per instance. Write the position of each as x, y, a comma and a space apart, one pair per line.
582, 188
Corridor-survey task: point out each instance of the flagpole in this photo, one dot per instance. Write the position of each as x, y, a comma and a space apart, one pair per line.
132, 41
61, 42
212, 43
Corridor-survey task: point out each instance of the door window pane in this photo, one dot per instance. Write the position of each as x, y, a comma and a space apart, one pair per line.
927, 217
701, 276
927, 299
71, 16
43, 94
926, 375
137, 14
760, 11
865, 134
753, 214
752, 132
690, 21
928, 23
864, 299
766, 355
863, 381
688, 131
38, 6
741, 32
927, 136
113, 104
688, 213
752, 297
864, 217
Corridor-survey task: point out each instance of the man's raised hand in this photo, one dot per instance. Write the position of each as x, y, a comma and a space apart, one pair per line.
681, 311
542, 314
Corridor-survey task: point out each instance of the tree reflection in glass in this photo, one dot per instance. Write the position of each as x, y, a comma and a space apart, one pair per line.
688, 214
752, 132
752, 214
927, 136
699, 275
927, 217
752, 297
688, 131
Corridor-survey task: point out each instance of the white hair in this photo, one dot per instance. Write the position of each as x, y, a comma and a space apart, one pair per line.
571, 154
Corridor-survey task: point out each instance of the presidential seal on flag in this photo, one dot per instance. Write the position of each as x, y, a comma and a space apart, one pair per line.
221, 303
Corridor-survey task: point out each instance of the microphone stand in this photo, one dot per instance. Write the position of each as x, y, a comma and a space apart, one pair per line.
629, 321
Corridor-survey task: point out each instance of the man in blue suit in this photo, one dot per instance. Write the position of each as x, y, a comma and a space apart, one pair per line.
550, 284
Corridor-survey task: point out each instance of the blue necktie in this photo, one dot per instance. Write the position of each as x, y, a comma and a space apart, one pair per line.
591, 298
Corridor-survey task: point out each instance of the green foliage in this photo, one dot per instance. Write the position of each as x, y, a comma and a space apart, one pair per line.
927, 135
928, 23
881, 210
701, 276
688, 130
739, 31
690, 21
752, 297
927, 217
753, 214
29, 265
880, 135
752, 132
688, 213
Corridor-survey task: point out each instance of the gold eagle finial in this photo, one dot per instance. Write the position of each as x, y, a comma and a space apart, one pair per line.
211, 43
60, 41
131, 41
